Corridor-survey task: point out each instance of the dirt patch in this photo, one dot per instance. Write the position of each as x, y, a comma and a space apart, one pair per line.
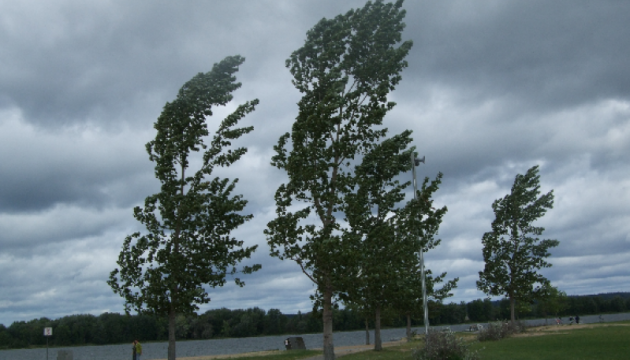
356, 348
561, 329
531, 334
339, 351
228, 356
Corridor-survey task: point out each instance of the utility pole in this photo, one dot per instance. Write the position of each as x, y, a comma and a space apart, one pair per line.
416, 162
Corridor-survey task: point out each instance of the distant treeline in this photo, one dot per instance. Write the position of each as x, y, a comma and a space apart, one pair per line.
114, 328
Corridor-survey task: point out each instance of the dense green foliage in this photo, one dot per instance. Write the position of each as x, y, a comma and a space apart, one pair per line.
114, 328
188, 245
512, 251
389, 236
486, 310
345, 70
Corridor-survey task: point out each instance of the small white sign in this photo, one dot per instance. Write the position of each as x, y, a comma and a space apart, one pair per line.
48, 331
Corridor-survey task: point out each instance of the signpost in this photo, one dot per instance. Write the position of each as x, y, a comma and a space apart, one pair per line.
47, 333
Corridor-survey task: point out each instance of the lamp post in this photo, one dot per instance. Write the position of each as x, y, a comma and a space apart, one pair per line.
416, 162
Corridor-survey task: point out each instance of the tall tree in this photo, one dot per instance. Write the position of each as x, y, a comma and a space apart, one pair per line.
345, 70
188, 243
512, 252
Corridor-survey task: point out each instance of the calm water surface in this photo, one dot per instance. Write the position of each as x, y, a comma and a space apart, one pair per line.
241, 345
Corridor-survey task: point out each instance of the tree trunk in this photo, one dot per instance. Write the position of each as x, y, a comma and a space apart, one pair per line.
329, 348
408, 328
512, 301
171, 335
367, 332
378, 345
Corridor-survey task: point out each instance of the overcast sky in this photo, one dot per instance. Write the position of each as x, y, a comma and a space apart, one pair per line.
492, 88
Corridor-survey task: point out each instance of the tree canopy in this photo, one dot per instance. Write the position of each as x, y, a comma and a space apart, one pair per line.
389, 236
345, 70
512, 252
188, 244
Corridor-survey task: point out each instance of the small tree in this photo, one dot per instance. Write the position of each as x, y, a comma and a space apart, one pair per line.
511, 252
552, 301
390, 236
371, 213
345, 70
421, 222
188, 245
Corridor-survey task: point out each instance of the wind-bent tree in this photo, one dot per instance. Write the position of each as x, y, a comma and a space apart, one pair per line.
511, 251
188, 243
371, 216
385, 232
345, 70
419, 222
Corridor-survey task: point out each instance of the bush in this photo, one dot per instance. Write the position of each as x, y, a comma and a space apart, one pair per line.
499, 330
444, 346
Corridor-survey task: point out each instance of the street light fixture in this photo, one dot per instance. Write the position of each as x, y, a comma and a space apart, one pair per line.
416, 162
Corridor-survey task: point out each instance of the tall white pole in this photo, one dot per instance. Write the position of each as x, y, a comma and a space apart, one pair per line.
415, 162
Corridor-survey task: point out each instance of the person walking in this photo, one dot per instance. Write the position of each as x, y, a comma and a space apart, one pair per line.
137, 348
577, 319
133, 351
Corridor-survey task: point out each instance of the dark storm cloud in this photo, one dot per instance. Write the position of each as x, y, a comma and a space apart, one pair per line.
64, 62
40, 169
492, 88
544, 54
485, 79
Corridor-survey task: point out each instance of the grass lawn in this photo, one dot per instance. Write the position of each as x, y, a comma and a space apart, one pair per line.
401, 352
578, 342
606, 341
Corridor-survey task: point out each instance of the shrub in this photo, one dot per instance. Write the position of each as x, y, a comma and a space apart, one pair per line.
413, 335
499, 330
444, 346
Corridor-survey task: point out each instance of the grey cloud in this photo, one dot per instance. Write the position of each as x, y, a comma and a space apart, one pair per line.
491, 89
40, 169
548, 54
102, 61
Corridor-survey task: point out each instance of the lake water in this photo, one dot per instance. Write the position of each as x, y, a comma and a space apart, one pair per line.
242, 345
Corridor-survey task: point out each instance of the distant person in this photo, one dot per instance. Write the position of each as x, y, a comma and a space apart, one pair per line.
571, 320
137, 349
577, 319
133, 351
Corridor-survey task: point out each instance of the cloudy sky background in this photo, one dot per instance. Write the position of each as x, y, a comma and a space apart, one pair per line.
492, 88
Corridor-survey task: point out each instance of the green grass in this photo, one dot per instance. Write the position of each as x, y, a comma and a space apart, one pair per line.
601, 342
605, 341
